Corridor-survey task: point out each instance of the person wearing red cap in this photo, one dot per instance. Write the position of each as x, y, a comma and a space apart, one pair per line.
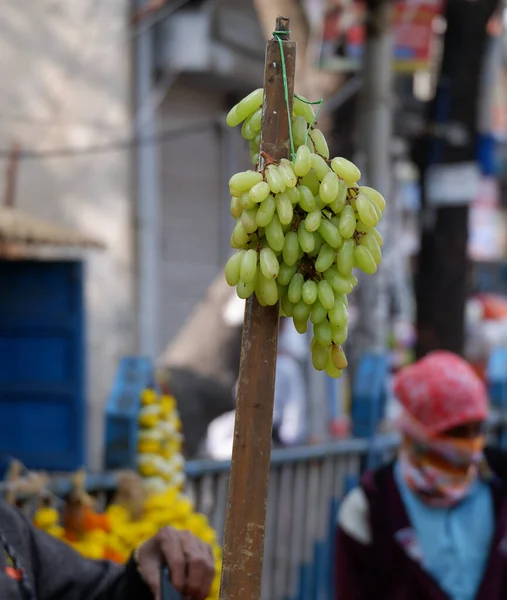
433, 524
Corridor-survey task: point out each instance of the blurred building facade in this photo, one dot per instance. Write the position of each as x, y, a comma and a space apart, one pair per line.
72, 103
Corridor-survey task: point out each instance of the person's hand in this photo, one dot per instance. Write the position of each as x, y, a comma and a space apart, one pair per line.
190, 563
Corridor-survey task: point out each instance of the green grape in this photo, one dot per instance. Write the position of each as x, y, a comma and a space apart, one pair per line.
353, 279
339, 315
364, 260
302, 162
306, 199
269, 263
233, 118
318, 202
326, 294
259, 192
366, 211
255, 120
268, 290
254, 158
345, 259
248, 269
347, 222
369, 241
362, 228
265, 212
330, 233
309, 145
248, 220
305, 238
286, 273
236, 207
319, 165
331, 370
320, 356
319, 142
302, 311
338, 357
301, 325
335, 220
282, 290
253, 146
239, 236
287, 306
325, 258
290, 250
245, 290
299, 129
247, 130
322, 333
376, 234
302, 109
311, 181
284, 208
342, 298
274, 234
319, 313
293, 195
339, 334
232, 268
244, 181
339, 202
374, 196
329, 188
246, 202
378, 212
245, 107
309, 292
274, 179
295, 288
235, 192
288, 176
318, 243
346, 170
312, 220
340, 284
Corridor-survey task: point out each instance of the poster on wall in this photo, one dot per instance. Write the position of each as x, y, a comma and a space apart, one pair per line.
487, 224
343, 34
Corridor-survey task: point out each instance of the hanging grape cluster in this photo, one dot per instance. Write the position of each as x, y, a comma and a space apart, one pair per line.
302, 226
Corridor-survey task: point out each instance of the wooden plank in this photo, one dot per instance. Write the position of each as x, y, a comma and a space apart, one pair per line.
248, 488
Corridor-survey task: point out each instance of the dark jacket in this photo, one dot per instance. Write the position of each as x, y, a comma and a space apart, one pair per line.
56, 572
385, 569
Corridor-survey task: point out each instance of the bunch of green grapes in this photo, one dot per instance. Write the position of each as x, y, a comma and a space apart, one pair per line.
302, 226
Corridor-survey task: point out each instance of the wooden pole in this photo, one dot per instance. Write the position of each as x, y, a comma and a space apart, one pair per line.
248, 487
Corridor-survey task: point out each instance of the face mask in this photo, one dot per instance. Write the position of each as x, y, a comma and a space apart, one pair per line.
441, 469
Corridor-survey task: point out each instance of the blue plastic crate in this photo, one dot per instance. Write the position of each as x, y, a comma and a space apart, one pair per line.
497, 378
369, 394
135, 374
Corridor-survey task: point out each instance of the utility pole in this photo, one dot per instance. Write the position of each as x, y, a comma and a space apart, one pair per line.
442, 281
375, 120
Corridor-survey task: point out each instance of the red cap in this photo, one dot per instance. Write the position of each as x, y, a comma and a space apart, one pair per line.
441, 391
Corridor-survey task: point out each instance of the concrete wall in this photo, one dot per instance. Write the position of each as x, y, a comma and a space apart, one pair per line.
65, 73
195, 167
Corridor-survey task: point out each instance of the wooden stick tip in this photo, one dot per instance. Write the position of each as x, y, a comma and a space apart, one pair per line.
283, 24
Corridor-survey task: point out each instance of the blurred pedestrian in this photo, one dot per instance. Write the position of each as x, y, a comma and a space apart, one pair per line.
433, 524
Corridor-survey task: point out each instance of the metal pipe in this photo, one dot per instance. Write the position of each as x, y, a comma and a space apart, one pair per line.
147, 201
